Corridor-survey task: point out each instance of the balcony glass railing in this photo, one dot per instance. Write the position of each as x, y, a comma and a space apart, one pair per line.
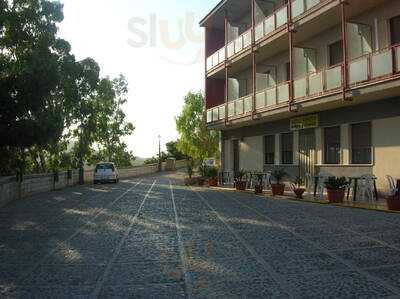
370, 68
283, 93
333, 78
301, 6
376, 65
271, 23
239, 44
216, 114
397, 55
215, 59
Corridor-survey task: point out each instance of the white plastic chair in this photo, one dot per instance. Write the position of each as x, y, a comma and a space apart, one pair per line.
322, 177
267, 180
366, 188
310, 184
392, 186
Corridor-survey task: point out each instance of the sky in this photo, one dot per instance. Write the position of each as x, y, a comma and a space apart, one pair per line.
158, 46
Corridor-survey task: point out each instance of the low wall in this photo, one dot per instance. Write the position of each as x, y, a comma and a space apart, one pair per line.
11, 190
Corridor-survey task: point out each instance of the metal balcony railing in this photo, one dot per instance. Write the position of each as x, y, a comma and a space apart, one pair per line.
372, 68
271, 23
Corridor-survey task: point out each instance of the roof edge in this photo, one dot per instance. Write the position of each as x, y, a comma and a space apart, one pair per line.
212, 12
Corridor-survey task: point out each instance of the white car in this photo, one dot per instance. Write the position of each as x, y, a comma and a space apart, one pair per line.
105, 172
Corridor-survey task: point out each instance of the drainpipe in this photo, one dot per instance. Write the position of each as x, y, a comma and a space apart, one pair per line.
253, 54
226, 67
290, 32
343, 4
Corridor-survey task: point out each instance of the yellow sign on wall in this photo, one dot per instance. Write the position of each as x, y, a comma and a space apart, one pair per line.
304, 122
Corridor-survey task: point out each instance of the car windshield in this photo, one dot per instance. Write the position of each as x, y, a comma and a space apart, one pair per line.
104, 167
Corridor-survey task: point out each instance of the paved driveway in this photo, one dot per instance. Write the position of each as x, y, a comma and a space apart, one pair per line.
153, 238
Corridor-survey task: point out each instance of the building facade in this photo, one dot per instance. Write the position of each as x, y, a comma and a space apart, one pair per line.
306, 85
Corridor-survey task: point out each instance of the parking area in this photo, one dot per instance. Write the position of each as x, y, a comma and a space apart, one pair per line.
151, 237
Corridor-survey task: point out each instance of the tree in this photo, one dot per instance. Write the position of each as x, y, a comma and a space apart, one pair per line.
111, 122
195, 140
31, 63
173, 151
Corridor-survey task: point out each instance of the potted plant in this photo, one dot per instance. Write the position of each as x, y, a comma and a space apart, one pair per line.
212, 175
297, 187
393, 202
259, 187
336, 189
240, 182
278, 188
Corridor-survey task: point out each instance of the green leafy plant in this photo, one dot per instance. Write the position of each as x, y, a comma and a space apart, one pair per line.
212, 172
239, 175
259, 178
336, 183
298, 183
279, 175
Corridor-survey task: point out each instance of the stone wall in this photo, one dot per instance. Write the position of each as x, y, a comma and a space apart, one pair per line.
11, 190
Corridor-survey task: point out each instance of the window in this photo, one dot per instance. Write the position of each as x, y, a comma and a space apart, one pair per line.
395, 30
287, 148
336, 53
269, 149
332, 145
361, 152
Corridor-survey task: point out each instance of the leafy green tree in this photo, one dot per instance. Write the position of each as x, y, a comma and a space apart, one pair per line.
111, 122
173, 151
195, 140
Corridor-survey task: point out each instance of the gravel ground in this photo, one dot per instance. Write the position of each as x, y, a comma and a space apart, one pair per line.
151, 237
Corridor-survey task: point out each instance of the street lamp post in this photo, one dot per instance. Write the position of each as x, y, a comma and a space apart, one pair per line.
159, 154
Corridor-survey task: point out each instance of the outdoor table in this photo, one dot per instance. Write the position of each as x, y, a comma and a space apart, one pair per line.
356, 179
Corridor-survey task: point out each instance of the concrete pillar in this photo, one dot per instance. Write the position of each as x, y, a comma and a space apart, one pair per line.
277, 149
296, 147
319, 145
345, 143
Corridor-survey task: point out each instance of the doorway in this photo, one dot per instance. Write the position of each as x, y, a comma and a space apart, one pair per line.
236, 156
307, 155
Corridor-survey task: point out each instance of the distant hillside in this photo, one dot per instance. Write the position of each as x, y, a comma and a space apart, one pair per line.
139, 161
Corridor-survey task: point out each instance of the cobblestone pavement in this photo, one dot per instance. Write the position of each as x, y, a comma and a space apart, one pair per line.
153, 238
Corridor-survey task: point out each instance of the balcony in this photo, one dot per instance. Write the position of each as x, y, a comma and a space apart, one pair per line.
274, 23
371, 69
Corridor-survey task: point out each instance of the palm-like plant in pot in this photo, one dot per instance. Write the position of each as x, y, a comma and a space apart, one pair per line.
278, 187
240, 182
336, 189
212, 175
297, 187
259, 187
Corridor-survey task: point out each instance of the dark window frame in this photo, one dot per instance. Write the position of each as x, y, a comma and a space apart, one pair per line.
331, 47
269, 152
361, 147
332, 146
394, 39
286, 149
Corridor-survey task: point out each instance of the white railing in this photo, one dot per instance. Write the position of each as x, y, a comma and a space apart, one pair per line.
271, 23
376, 65
239, 44
301, 6
318, 82
216, 59
216, 114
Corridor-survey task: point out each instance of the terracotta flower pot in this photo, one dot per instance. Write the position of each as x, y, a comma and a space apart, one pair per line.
393, 204
213, 182
241, 185
299, 192
278, 189
336, 196
258, 189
